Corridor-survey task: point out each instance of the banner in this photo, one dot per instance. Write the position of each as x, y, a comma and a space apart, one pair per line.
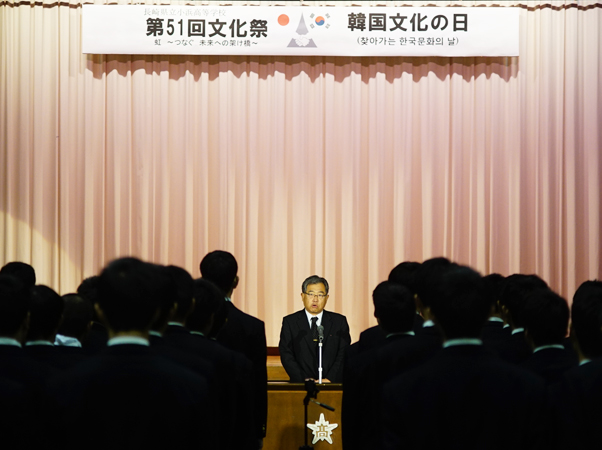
300, 30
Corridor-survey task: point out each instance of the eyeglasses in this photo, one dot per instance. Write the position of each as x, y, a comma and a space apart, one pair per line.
312, 295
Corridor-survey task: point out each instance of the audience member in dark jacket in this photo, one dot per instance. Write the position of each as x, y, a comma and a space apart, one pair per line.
464, 397
546, 320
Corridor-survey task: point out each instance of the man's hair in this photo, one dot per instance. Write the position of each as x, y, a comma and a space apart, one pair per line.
22, 271
77, 315
394, 307
166, 284
586, 314
461, 308
515, 290
183, 292
208, 299
427, 278
545, 317
492, 285
45, 309
88, 289
314, 279
129, 293
14, 305
404, 273
220, 268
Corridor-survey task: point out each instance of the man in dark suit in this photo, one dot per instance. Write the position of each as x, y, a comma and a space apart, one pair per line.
515, 290
299, 336
242, 332
137, 399
365, 374
402, 273
22, 380
464, 395
546, 320
577, 401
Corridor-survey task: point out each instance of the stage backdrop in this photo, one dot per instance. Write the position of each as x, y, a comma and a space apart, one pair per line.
340, 166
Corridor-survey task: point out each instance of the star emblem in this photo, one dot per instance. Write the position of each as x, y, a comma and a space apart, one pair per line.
322, 430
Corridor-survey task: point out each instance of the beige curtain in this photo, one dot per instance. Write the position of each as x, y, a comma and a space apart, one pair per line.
342, 167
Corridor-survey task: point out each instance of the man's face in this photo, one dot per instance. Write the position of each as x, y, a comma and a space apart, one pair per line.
315, 298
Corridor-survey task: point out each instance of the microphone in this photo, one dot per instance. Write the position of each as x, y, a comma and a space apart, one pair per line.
321, 333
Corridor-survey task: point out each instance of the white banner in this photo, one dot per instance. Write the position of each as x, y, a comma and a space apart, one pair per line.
300, 30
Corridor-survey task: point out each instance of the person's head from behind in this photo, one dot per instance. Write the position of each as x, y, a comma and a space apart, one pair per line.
221, 269
46, 313
492, 285
461, 308
394, 307
129, 295
14, 308
22, 271
427, 282
183, 294
545, 317
207, 317
586, 312
514, 293
77, 316
404, 273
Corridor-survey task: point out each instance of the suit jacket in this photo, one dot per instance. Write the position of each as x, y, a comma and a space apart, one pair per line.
246, 334
375, 336
131, 398
298, 351
460, 399
550, 363
577, 408
233, 384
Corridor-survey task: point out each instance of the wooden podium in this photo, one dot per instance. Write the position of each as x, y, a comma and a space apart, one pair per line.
286, 414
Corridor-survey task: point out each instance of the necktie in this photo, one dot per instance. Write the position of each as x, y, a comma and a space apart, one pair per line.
314, 328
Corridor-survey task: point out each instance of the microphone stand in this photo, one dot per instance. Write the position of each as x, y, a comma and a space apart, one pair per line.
321, 339
312, 394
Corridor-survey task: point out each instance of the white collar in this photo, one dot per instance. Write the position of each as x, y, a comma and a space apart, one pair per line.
462, 341
544, 347
9, 341
401, 333
42, 342
121, 340
310, 316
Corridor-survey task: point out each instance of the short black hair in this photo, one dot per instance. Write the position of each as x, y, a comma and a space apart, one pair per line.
515, 290
46, 310
403, 274
183, 285
129, 293
314, 279
208, 301
77, 315
88, 289
585, 316
461, 308
546, 317
220, 267
22, 271
427, 278
394, 307
492, 285
14, 305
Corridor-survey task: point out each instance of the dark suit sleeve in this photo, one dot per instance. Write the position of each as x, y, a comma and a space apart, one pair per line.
261, 381
335, 373
287, 353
